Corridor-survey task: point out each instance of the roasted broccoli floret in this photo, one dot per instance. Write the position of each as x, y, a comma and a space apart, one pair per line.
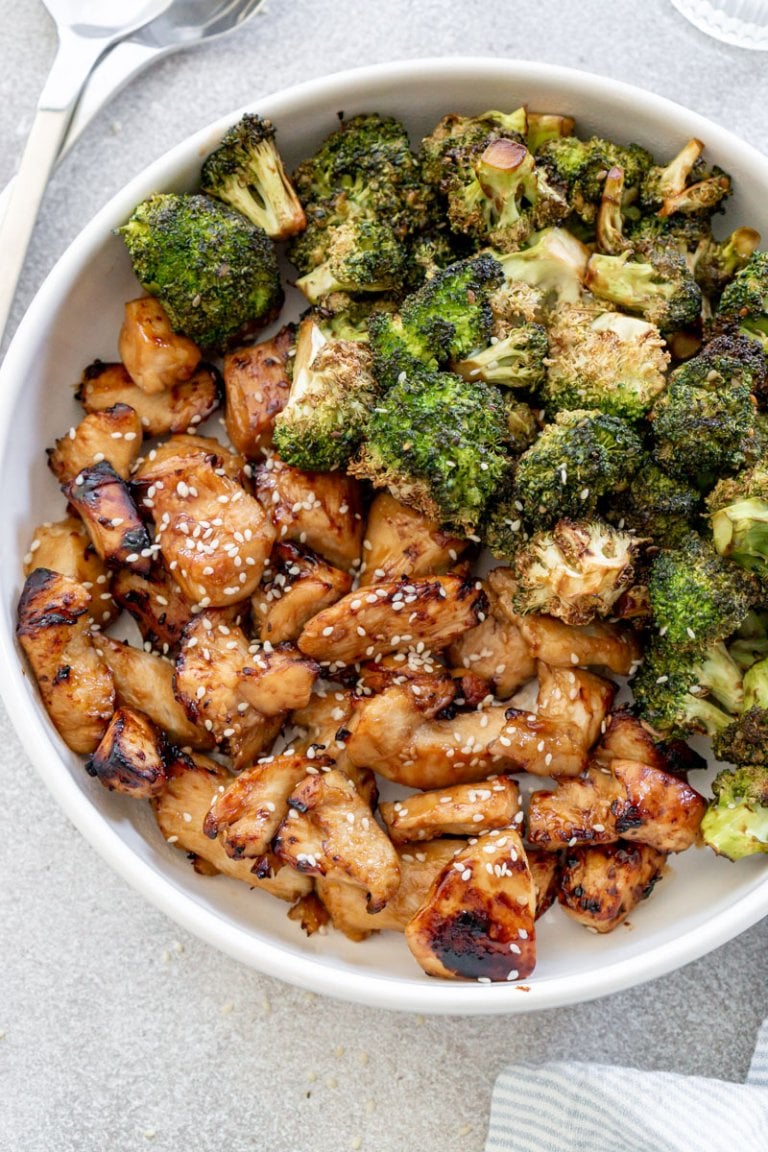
657, 506
520, 423
740, 532
751, 642
651, 280
685, 184
445, 319
247, 173
332, 394
582, 166
363, 255
516, 361
736, 821
214, 272
576, 571
545, 126
744, 301
437, 442
609, 361
716, 262
672, 688
554, 262
343, 316
697, 597
726, 362
706, 424
428, 252
581, 457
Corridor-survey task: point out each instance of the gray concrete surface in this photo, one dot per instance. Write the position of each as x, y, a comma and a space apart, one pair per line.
119, 1031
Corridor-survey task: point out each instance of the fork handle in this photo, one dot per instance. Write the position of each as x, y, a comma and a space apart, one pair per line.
38, 158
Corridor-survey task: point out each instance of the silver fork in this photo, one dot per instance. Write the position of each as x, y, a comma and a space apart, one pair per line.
85, 30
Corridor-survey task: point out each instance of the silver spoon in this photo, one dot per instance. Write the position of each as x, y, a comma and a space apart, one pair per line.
85, 31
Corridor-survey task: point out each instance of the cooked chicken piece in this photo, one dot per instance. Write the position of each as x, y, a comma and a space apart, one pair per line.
546, 869
537, 744
182, 446
631, 801
74, 682
248, 813
132, 756
65, 546
277, 679
106, 506
576, 697
461, 810
218, 675
257, 388
432, 686
331, 831
144, 682
178, 409
601, 885
627, 738
295, 586
419, 868
399, 541
156, 604
495, 650
193, 783
401, 614
599, 644
310, 912
154, 355
213, 536
320, 509
113, 434
478, 919
324, 719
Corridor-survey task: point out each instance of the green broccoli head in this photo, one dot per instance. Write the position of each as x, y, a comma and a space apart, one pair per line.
609, 361
501, 527
582, 165
363, 255
672, 687
706, 425
346, 316
740, 532
214, 272
554, 263
744, 301
428, 252
576, 571
651, 281
437, 442
684, 234
246, 172
685, 184
736, 821
745, 739
716, 262
331, 397
696, 596
657, 506
516, 361
582, 457
727, 362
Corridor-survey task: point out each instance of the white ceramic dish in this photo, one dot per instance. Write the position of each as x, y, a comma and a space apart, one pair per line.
76, 317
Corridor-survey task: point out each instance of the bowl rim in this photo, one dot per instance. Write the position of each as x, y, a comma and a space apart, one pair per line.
274, 958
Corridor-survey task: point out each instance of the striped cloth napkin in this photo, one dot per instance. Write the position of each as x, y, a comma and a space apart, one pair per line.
570, 1107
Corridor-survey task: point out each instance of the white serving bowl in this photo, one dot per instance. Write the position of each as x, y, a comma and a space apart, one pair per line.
76, 316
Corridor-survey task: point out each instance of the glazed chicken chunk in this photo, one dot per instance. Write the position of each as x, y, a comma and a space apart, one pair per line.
104, 502
601, 884
132, 756
257, 387
461, 810
296, 585
399, 541
114, 435
64, 546
177, 409
154, 355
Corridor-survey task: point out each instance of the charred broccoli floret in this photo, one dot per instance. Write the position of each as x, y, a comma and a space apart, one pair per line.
657, 506
581, 457
545, 126
651, 280
215, 273
246, 172
363, 255
609, 361
582, 166
736, 821
750, 645
726, 362
745, 740
554, 262
716, 262
744, 301
576, 571
516, 361
520, 423
672, 688
706, 424
441, 322
696, 596
437, 442
685, 184
332, 393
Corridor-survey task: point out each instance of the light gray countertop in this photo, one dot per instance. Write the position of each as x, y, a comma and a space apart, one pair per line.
121, 1032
